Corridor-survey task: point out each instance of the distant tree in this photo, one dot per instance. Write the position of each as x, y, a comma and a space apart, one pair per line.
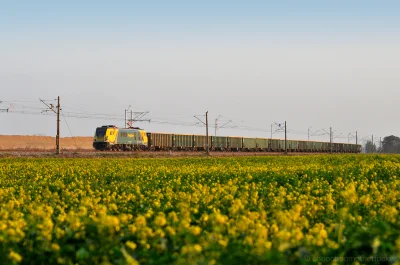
391, 144
370, 147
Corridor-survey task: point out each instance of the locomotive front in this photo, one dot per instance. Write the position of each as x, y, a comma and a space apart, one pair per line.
109, 137
104, 137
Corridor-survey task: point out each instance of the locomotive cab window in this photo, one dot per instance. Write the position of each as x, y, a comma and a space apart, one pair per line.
100, 132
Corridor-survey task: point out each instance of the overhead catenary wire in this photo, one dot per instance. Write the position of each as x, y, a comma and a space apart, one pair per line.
24, 108
157, 121
115, 117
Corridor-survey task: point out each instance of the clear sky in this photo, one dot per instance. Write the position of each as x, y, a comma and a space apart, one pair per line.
250, 63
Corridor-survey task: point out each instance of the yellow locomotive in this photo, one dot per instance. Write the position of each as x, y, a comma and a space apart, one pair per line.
109, 137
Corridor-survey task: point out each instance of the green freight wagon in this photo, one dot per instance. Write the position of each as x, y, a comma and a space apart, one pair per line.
323, 147
311, 146
200, 142
334, 147
347, 148
356, 148
340, 147
331, 147
352, 148
160, 141
262, 143
303, 146
235, 143
249, 144
219, 143
326, 147
292, 145
275, 145
318, 146
282, 145
183, 141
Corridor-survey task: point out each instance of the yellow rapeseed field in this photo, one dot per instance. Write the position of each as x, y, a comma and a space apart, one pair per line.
339, 209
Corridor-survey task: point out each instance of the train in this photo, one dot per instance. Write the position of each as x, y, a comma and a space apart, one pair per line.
110, 137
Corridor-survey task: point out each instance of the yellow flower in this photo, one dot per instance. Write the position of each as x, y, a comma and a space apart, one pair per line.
131, 245
375, 244
221, 219
128, 258
197, 248
160, 220
196, 230
15, 256
223, 243
140, 220
55, 247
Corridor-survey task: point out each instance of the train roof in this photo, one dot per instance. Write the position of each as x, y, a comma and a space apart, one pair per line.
113, 126
253, 138
135, 128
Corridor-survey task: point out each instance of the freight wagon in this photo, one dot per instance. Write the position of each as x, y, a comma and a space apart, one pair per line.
200, 142
159, 141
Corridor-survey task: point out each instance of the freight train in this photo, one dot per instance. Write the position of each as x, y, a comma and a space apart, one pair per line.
110, 137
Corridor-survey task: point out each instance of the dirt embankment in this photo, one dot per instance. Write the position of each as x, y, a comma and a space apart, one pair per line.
41, 143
